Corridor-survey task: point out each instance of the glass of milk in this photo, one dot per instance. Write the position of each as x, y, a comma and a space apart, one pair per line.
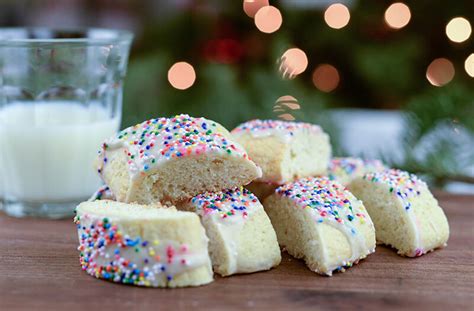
60, 97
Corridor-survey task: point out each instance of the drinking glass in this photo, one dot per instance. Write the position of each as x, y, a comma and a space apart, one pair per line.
60, 97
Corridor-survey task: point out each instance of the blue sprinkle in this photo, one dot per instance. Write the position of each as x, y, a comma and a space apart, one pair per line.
132, 243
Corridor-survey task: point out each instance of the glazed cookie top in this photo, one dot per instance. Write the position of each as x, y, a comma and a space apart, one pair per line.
153, 142
401, 184
328, 200
234, 204
262, 128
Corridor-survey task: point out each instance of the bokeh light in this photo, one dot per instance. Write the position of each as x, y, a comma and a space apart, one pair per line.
397, 15
469, 65
286, 117
181, 75
326, 78
337, 16
293, 62
440, 72
268, 19
286, 101
251, 7
458, 29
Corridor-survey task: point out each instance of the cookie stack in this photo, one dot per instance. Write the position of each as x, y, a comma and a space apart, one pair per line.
191, 164
306, 195
182, 196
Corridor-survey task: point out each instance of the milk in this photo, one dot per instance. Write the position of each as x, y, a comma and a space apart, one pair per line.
47, 150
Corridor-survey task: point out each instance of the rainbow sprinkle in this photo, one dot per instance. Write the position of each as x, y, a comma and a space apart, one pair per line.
108, 254
348, 168
227, 204
401, 184
103, 193
345, 166
328, 200
158, 140
266, 127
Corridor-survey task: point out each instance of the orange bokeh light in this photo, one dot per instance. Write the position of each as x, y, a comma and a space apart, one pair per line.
337, 16
397, 15
251, 7
286, 117
286, 101
326, 78
440, 72
293, 62
181, 75
268, 19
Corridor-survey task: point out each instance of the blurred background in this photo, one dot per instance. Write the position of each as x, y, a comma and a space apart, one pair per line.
386, 79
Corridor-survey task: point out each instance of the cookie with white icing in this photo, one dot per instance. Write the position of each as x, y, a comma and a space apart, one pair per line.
241, 237
285, 150
173, 159
405, 213
320, 221
345, 170
142, 245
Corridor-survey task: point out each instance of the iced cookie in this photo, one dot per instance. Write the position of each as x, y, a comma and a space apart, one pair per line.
142, 245
405, 213
285, 150
320, 221
241, 237
173, 159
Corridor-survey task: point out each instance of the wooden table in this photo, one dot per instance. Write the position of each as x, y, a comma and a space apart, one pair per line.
39, 270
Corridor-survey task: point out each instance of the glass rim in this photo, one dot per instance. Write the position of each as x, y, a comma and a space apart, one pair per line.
104, 36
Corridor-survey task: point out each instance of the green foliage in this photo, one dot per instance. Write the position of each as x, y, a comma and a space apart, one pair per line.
382, 66
439, 135
452, 103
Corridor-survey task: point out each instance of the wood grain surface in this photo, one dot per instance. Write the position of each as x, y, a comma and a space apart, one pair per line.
39, 270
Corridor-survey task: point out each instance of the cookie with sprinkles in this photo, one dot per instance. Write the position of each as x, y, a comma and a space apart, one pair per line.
142, 245
405, 213
345, 170
241, 237
285, 150
320, 221
173, 159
